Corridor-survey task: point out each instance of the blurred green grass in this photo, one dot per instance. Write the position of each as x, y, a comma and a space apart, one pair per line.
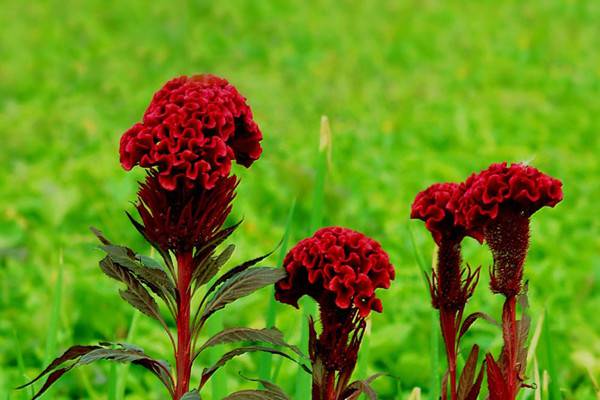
417, 92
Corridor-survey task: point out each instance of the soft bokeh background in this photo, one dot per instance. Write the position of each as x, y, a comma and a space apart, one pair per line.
417, 92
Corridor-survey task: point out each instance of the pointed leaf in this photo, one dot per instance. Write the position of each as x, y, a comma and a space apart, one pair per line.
496, 385
72, 353
208, 372
240, 285
53, 377
256, 395
206, 271
271, 335
193, 395
468, 373
270, 387
359, 387
139, 298
470, 320
234, 271
476, 388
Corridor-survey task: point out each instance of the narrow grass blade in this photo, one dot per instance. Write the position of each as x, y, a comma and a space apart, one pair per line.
21, 363
553, 388
435, 335
323, 159
266, 359
52, 336
218, 381
118, 373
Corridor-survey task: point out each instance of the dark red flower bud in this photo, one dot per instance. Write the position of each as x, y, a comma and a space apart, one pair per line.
191, 132
500, 200
183, 219
339, 268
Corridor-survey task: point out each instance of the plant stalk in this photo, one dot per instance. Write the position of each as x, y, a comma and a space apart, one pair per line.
511, 346
184, 336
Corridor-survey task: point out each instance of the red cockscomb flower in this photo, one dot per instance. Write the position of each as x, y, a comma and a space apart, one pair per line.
435, 206
451, 285
192, 130
336, 266
339, 268
501, 199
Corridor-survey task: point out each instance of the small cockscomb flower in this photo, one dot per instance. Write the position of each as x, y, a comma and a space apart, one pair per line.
182, 220
339, 268
191, 132
436, 207
500, 200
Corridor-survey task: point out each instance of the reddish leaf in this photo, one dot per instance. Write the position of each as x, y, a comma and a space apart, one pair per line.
468, 373
476, 388
470, 320
72, 353
496, 384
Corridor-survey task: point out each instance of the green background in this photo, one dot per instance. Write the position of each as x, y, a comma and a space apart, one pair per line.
417, 92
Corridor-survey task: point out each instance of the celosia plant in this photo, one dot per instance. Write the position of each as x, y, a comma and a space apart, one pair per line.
192, 131
494, 205
500, 200
450, 284
340, 269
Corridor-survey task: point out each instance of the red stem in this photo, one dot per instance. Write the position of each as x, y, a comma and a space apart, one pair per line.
449, 327
183, 355
325, 391
509, 327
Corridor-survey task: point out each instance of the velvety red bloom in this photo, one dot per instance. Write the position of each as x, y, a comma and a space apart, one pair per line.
436, 207
182, 220
519, 186
338, 267
192, 130
500, 201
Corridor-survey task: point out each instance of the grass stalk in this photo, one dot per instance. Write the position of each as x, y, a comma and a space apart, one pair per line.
323, 159
266, 360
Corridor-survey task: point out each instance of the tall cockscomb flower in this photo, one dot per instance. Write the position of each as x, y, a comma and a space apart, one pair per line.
192, 131
451, 285
340, 269
501, 200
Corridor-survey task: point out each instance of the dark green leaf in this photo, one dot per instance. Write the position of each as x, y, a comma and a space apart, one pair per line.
271, 335
139, 298
234, 271
193, 395
207, 270
256, 395
240, 285
208, 372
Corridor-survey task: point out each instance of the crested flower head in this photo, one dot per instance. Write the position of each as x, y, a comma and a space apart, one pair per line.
182, 220
500, 200
435, 206
338, 267
523, 188
191, 132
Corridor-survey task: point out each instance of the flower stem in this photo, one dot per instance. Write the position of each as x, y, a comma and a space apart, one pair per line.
449, 326
511, 346
183, 355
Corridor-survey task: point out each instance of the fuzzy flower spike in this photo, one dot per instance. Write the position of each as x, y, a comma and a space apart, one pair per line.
501, 200
340, 269
451, 285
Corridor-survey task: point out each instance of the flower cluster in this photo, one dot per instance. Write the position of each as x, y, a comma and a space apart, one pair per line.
192, 130
520, 187
336, 266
